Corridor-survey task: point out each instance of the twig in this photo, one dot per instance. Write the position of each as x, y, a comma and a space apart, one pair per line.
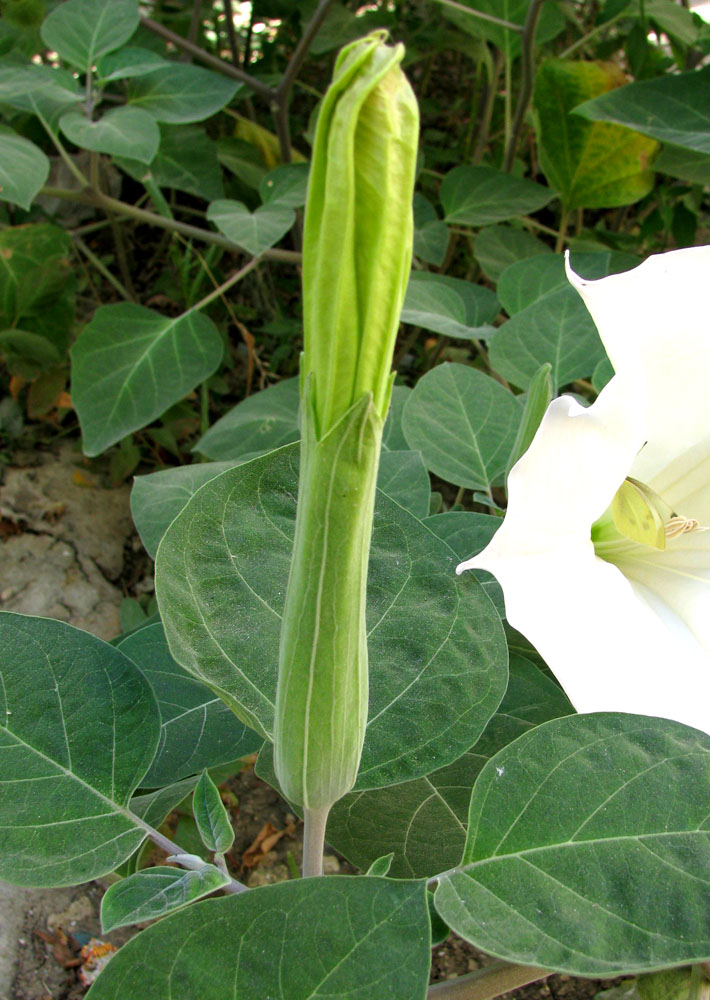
491, 18
193, 28
487, 983
167, 845
280, 102
209, 60
102, 269
527, 72
231, 33
109, 204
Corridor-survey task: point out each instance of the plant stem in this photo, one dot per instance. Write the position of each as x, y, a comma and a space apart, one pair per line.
526, 87
90, 197
562, 231
226, 285
491, 18
280, 102
314, 821
102, 269
209, 60
485, 984
581, 42
167, 845
193, 29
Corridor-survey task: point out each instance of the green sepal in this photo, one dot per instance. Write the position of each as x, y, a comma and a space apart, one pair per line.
321, 700
211, 817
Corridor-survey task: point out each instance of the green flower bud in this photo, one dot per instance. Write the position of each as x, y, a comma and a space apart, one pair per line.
356, 261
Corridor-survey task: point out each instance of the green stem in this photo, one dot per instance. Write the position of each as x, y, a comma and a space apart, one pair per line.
170, 848
204, 408
485, 984
581, 42
527, 72
314, 823
102, 269
491, 18
507, 118
562, 232
226, 285
89, 197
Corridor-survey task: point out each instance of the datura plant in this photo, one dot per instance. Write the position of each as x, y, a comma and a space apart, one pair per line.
310, 613
604, 553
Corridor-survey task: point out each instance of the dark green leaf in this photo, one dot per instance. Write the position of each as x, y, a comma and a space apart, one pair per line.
464, 423
448, 306
673, 109
431, 235
127, 62
268, 943
80, 726
588, 848
403, 477
23, 169
130, 364
211, 817
423, 822
497, 247
255, 231
81, 31
153, 892
285, 185
266, 420
197, 729
180, 93
121, 132
477, 196
451, 660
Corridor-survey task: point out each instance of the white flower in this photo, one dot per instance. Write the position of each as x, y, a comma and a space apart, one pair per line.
625, 627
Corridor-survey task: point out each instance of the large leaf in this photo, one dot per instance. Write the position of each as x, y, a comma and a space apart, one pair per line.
464, 423
449, 306
80, 726
477, 196
435, 679
197, 728
424, 821
23, 169
266, 420
128, 62
130, 364
187, 161
304, 939
82, 30
588, 848
121, 132
497, 247
673, 109
255, 231
158, 498
153, 892
468, 533
590, 164
285, 185
549, 322
179, 93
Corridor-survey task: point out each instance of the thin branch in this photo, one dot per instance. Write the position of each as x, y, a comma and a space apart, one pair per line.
193, 28
527, 72
104, 201
171, 849
487, 983
280, 103
226, 285
491, 18
209, 60
231, 33
102, 269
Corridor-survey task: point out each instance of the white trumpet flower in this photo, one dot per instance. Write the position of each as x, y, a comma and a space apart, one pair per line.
624, 625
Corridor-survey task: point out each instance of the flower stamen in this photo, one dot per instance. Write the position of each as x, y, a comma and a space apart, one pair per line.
679, 525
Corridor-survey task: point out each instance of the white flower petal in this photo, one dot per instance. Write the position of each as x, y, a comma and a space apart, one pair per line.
610, 649
569, 474
655, 326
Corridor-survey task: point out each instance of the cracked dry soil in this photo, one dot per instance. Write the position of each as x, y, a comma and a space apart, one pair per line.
69, 551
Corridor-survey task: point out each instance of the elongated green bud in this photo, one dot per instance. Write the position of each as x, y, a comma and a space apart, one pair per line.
356, 260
